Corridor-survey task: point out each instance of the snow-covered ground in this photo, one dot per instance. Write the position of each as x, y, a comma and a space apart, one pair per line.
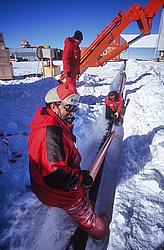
134, 163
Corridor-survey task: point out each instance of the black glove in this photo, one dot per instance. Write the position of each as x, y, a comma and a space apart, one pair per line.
69, 74
87, 178
61, 180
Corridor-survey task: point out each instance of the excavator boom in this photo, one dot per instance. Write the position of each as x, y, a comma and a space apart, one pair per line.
93, 55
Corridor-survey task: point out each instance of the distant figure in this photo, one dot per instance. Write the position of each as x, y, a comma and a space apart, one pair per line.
114, 107
71, 57
54, 161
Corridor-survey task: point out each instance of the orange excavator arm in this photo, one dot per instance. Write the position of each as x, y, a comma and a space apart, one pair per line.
93, 55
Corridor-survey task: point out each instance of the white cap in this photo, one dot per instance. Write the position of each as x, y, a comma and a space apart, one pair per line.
63, 93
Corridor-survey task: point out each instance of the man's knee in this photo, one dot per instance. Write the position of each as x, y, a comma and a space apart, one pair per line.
84, 216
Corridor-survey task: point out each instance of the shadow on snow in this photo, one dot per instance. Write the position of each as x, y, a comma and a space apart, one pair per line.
135, 154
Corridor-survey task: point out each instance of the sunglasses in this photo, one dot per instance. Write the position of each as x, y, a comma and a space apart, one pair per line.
112, 96
70, 108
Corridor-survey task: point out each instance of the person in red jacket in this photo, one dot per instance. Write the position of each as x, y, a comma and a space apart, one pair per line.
71, 57
54, 161
114, 107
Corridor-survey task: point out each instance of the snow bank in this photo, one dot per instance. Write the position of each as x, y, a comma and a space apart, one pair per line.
138, 207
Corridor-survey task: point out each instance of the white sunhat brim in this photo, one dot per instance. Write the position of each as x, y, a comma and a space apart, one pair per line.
72, 100
52, 96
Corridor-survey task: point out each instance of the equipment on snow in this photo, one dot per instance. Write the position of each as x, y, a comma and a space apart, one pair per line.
95, 166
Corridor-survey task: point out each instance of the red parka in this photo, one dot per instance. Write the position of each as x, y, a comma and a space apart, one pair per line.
71, 59
115, 105
51, 148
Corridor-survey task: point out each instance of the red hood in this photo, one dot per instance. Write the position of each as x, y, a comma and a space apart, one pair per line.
67, 40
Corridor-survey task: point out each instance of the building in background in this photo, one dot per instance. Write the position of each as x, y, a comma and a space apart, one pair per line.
147, 48
25, 44
160, 41
23, 54
141, 49
150, 47
27, 52
6, 68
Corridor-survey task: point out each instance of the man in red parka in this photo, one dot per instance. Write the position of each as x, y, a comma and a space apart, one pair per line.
54, 161
114, 107
71, 57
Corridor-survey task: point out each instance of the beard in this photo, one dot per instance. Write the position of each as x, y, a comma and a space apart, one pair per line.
69, 119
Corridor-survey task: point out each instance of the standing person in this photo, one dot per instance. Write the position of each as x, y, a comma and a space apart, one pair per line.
54, 161
71, 57
114, 107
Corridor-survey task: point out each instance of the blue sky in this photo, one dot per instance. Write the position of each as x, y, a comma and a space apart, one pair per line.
42, 22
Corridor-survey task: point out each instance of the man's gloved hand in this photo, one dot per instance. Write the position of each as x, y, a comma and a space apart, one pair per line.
87, 178
61, 180
77, 77
69, 74
116, 115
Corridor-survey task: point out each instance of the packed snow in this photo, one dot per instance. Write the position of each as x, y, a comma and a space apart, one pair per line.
132, 184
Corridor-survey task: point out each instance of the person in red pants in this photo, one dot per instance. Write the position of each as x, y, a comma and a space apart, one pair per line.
114, 107
54, 161
71, 57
